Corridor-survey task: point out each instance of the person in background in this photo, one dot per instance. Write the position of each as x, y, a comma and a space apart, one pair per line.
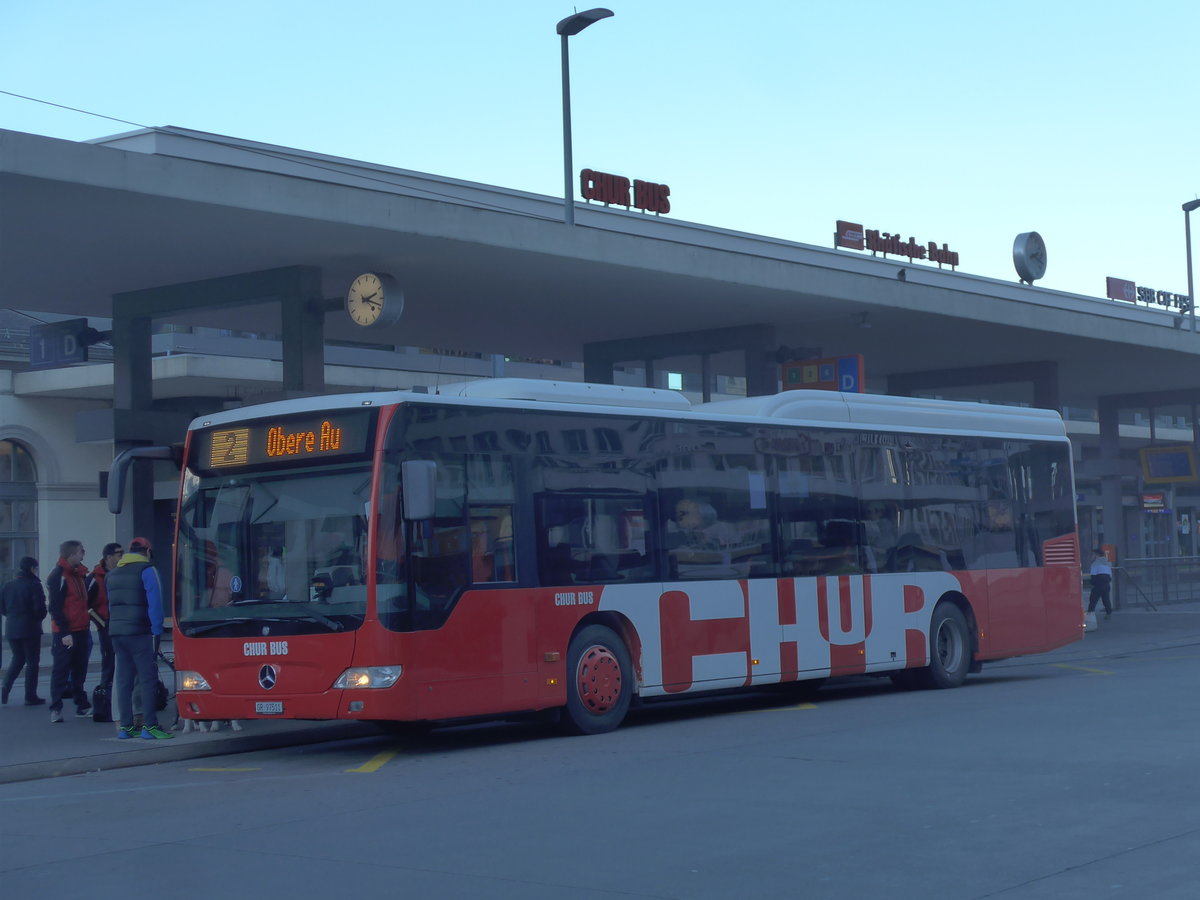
695, 526
98, 597
1101, 573
218, 580
23, 603
135, 607
72, 627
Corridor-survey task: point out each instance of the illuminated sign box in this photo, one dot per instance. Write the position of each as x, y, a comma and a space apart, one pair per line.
1168, 465
290, 440
1155, 503
836, 373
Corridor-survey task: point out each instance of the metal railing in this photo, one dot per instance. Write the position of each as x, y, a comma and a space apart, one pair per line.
1158, 581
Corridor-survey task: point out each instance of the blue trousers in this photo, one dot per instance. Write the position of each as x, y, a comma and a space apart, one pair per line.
135, 662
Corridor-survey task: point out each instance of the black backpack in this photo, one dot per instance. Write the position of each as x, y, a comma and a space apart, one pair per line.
102, 704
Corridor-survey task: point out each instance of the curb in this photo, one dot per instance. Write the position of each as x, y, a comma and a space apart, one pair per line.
156, 753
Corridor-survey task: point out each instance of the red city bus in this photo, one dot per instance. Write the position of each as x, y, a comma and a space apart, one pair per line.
515, 546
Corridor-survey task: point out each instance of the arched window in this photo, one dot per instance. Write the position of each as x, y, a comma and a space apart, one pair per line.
18, 507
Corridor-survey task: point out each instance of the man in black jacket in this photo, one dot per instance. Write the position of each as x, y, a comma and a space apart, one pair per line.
24, 606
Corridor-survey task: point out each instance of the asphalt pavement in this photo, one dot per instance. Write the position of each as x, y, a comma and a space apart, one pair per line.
31, 747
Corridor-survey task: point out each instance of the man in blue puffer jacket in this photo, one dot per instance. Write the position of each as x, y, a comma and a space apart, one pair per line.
135, 610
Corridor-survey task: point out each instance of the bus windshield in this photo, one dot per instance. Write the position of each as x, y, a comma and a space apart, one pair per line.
273, 554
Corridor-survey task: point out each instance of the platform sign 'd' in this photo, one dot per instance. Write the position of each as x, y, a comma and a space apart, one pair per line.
838, 373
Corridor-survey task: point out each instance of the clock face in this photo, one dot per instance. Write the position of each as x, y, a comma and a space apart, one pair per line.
1029, 256
373, 299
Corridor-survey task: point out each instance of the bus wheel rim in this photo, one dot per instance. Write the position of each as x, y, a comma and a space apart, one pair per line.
598, 679
949, 647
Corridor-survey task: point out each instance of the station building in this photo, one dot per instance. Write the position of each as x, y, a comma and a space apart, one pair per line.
211, 272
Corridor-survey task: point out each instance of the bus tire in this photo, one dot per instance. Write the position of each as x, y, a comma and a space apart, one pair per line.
949, 648
599, 681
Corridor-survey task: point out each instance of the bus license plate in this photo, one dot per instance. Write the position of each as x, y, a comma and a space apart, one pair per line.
269, 707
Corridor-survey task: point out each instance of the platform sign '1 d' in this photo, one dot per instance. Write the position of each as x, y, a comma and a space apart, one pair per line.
58, 344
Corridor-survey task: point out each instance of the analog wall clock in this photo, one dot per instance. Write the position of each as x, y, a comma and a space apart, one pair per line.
374, 299
1029, 256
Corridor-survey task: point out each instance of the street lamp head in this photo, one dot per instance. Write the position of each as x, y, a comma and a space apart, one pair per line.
1190, 205
572, 25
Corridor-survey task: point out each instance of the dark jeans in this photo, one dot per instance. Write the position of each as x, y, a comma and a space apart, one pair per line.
70, 669
108, 660
26, 652
1100, 585
135, 662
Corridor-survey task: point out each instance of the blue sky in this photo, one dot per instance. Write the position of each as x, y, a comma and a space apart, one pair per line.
947, 121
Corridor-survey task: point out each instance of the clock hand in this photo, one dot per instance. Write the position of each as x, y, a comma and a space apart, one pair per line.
370, 295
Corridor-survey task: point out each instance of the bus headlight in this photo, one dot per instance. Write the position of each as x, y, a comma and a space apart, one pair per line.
369, 677
191, 681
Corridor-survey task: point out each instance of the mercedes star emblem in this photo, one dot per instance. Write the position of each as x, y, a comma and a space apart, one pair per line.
267, 677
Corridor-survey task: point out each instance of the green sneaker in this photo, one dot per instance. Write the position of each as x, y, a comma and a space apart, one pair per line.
124, 734
154, 733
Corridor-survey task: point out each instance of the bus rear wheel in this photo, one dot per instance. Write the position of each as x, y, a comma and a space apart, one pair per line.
949, 648
599, 681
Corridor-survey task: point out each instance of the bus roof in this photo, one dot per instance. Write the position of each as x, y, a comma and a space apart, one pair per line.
882, 411
828, 409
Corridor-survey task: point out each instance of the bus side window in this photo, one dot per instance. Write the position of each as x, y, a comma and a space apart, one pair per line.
492, 544
589, 539
441, 545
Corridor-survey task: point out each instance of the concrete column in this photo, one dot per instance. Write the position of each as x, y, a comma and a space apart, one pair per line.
133, 421
133, 390
303, 317
1110, 485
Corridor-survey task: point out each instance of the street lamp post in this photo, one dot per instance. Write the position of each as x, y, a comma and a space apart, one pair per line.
1187, 234
567, 27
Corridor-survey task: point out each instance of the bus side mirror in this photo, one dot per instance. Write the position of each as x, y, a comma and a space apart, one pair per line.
418, 478
125, 459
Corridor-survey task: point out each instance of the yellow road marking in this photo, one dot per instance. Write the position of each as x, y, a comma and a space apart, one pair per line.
216, 769
376, 762
1084, 669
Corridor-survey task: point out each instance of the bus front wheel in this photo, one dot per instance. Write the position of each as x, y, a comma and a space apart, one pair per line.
599, 681
949, 648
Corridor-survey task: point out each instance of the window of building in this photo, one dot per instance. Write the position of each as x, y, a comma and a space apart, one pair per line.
18, 507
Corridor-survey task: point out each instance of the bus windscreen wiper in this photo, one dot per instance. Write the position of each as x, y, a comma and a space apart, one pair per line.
305, 617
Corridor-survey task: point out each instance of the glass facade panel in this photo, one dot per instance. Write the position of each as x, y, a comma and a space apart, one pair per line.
18, 507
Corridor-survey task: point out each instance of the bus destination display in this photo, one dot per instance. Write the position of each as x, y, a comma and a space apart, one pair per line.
292, 440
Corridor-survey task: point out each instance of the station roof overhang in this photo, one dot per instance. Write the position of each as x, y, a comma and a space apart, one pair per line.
492, 270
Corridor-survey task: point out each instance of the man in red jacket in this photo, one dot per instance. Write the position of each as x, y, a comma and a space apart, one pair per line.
72, 643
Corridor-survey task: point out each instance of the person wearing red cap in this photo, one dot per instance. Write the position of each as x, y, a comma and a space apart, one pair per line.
135, 610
